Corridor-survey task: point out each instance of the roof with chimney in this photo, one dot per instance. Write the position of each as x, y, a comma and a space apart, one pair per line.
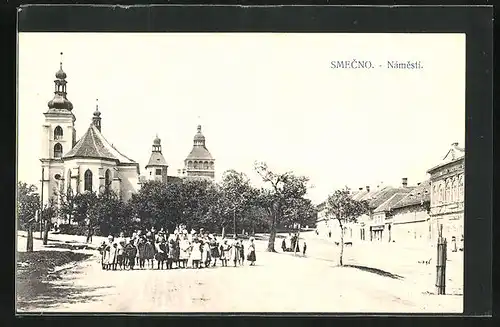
389, 204
418, 196
94, 145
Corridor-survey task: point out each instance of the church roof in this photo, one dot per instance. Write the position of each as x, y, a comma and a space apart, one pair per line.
156, 159
94, 145
199, 153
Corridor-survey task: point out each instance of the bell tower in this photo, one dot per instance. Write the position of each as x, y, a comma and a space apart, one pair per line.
58, 136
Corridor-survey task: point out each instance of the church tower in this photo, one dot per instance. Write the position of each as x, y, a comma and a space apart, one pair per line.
156, 169
58, 137
199, 162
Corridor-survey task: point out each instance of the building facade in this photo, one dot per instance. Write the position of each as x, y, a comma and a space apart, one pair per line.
447, 194
410, 216
199, 162
89, 164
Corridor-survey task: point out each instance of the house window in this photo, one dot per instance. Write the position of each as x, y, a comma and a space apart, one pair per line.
158, 172
88, 181
58, 133
58, 150
107, 180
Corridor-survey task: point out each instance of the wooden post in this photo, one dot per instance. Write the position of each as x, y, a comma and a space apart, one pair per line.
41, 203
234, 223
29, 242
441, 263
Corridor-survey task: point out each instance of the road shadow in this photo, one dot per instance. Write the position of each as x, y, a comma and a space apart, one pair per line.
43, 295
376, 271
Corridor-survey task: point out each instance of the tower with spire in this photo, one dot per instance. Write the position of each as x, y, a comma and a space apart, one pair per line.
58, 136
199, 162
157, 166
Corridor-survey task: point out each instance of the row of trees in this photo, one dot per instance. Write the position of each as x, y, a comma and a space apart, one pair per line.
232, 205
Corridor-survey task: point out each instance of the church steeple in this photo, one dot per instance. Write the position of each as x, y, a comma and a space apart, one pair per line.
96, 119
60, 100
157, 144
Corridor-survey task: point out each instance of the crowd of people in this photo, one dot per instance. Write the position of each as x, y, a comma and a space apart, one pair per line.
179, 249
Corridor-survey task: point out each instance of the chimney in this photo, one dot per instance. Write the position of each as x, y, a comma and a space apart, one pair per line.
368, 188
404, 182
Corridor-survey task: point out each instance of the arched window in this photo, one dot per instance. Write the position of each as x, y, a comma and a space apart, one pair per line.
88, 181
212, 165
206, 165
454, 190
440, 190
107, 180
58, 150
196, 165
58, 133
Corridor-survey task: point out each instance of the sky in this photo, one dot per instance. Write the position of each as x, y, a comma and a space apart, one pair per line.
269, 97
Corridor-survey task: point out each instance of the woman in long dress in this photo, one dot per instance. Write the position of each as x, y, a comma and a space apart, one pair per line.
184, 247
196, 253
251, 252
235, 252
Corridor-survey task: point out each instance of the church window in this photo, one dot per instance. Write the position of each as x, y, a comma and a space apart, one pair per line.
190, 164
211, 165
58, 133
196, 165
88, 181
107, 180
158, 172
58, 150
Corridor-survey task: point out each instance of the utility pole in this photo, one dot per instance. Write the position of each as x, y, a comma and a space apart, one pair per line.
441, 263
41, 202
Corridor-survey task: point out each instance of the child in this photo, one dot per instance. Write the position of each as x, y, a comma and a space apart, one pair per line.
119, 253
149, 252
235, 252
206, 257
304, 249
161, 252
170, 253
196, 253
242, 252
102, 249
184, 246
222, 249
130, 251
214, 249
112, 255
141, 249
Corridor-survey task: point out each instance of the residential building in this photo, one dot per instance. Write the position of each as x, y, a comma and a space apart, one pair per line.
447, 194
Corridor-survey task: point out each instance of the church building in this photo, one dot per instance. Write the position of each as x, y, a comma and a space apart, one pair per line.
199, 162
89, 164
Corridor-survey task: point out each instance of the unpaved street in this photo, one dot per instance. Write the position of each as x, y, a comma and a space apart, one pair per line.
278, 283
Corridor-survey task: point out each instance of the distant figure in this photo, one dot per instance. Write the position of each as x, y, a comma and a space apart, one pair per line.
283, 245
304, 248
330, 234
225, 250
453, 244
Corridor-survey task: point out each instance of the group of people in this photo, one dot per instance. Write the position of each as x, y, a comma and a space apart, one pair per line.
180, 249
290, 244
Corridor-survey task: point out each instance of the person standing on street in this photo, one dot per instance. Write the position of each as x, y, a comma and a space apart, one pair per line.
304, 249
251, 252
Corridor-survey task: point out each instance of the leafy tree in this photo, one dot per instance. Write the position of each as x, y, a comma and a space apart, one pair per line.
28, 203
280, 198
110, 214
344, 209
237, 195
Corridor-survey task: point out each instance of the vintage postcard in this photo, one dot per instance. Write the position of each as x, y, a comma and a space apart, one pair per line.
241, 172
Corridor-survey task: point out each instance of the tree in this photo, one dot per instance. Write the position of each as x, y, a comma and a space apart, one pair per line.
28, 203
344, 209
237, 194
278, 199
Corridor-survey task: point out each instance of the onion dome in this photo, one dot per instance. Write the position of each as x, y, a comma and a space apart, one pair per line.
60, 73
60, 102
199, 136
157, 140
